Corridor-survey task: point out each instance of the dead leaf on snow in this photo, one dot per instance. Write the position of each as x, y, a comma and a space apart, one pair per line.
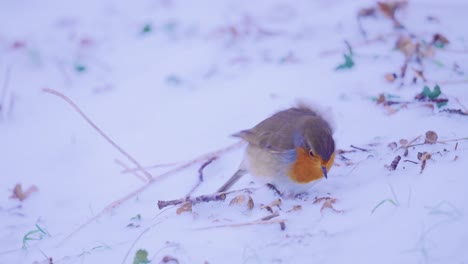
390, 77
406, 45
431, 137
250, 203
404, 142
185, 207
239, 199
423, 157
21, 195
295, 208
329, 204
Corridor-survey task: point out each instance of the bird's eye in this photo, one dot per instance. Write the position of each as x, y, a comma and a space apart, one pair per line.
311, 153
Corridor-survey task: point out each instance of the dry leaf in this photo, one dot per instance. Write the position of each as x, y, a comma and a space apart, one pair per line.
250, 203
455, 158
439, 38
406, 45
403, 142
419, 74
239, 199
390, 77
282, 225
19, 194
431, 137
295, 208
320, 199
423, 157
329, 204
387, 8
381, 98
276, 202
185, 207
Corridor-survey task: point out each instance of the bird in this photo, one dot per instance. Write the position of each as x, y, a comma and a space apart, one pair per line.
290, 149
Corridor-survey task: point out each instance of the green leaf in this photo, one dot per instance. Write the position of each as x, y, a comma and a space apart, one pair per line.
141, 257
441, 104
348, 63
432, 94
80, 68
146, 29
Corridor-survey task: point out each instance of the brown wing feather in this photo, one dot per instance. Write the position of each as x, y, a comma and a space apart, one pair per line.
276, 132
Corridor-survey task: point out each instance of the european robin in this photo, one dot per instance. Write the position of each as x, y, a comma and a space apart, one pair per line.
290, 149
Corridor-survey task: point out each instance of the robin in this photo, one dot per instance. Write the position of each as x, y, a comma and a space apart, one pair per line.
290, 149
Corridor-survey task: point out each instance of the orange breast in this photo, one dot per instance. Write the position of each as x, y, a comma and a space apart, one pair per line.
306, 168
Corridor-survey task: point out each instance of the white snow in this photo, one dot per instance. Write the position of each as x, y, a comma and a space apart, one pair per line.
178, 91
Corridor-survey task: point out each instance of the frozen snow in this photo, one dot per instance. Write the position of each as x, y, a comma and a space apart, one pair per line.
202, 71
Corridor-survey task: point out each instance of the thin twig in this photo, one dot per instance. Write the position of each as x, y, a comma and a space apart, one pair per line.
91, 123
361, 149
135, 192
198, 199
218, 196
123, 165
360, 44
130, 170
200, 174
259, 222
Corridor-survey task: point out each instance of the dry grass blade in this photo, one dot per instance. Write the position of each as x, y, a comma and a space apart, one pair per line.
260, 222
91, 123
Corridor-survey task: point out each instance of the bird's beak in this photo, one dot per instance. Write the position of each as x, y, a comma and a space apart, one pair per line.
324, 169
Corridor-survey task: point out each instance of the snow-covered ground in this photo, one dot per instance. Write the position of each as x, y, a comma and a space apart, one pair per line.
170, 80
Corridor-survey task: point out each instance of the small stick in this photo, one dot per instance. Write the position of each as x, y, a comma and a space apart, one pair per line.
361, 149
414, 162
135, 192
259, 222
121, 163
200, 174
394, 163
269, 217
198, 199
131, 170
91, 123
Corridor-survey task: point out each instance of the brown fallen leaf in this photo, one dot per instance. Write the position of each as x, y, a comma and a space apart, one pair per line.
406, 45
185, 207
431, 137
295, 208
439, 39
329, 204
250, 203
423, 157
403, 142
390, 77
239, 199
21, 195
